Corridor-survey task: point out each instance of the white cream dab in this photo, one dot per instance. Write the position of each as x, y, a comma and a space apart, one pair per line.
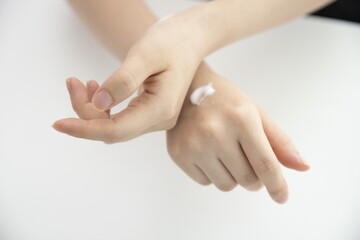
200, 93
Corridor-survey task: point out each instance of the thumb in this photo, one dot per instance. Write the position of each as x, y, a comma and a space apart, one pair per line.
123, 82
282, 146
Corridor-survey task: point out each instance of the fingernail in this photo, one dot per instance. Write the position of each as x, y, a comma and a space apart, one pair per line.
68, 84
102, 100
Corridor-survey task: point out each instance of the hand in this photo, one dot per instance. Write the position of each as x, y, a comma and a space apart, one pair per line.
164, 64
228, 140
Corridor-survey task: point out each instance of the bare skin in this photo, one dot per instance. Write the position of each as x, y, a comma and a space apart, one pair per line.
166, 63
229, 140
226, 140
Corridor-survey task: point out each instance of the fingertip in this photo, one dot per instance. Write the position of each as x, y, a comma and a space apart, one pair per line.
68, 84
71, 78
91, 86
282, 200
102, 100
300, 167
93, 83
65, 125
57, 126
301, 164
303, 167
280, 194
293, 161
76, 89
305, 163
76, 81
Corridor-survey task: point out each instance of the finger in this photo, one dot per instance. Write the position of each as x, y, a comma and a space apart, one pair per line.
125, 125
93, 129
195, 173
125, 81
217, 173
80, 100
203, 179
261, 156
282, 145
238, 165
91, 86
77, 91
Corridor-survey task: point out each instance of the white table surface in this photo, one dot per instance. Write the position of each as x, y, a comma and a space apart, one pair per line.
306, 74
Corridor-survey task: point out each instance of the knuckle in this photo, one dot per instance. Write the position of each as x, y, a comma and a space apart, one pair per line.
284, 140
225, 186
203, 181
125, 81
210, 127
248, 180
180, 150
193, 146
242, 114
79, 109
184, 145
266, 166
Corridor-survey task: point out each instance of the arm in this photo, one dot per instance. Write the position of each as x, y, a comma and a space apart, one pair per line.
174, 47
215, 23
120, 127
227, 140
118, 23
221, 22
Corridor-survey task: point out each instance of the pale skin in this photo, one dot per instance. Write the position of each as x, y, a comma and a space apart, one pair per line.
233, 143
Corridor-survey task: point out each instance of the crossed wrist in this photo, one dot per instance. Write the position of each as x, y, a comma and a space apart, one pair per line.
196, 25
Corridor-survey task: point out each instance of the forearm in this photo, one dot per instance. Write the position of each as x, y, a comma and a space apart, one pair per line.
221, 22
117, 23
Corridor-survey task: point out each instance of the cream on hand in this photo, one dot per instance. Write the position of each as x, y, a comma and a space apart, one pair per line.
200, 93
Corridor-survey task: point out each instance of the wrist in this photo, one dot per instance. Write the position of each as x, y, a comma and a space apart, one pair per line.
203, 27
197, 29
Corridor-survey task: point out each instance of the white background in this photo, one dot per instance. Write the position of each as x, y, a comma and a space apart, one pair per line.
305, 74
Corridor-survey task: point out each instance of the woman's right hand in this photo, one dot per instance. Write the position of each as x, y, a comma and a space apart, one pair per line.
163, 62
